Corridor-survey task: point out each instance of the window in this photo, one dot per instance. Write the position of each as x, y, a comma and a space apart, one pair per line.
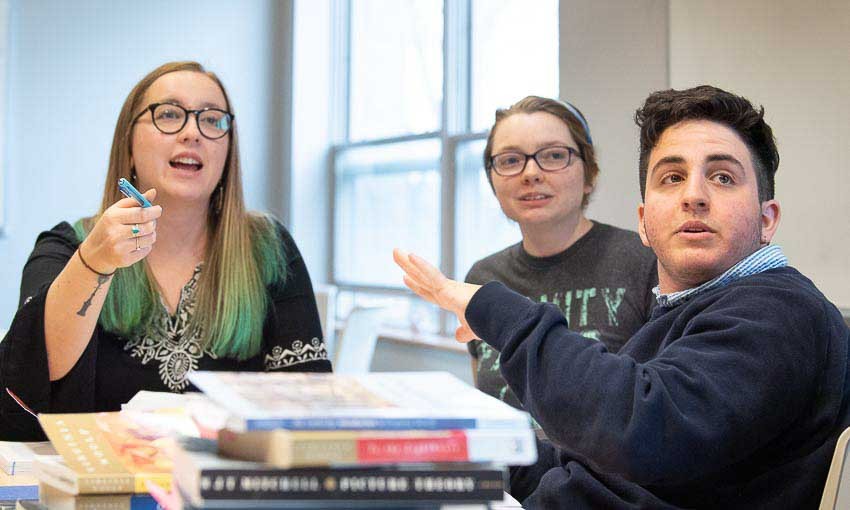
418, 84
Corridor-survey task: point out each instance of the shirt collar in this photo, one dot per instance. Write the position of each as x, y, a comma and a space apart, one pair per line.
768, 257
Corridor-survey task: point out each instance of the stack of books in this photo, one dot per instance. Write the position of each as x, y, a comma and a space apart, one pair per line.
17, 458
16, 462
379, 440
105, 459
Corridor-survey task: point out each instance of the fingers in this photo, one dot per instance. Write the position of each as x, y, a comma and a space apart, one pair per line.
464, 334
131, 202
140, 229
123, 235
135, 249
419, 290
417, 267
400, 258
167, 500
418, 271
425, 269
134, 214
426, 281
139, 242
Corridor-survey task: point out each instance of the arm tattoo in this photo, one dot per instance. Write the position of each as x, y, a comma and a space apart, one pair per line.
101, 279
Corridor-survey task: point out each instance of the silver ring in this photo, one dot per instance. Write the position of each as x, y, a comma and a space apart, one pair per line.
137, 244
136, 229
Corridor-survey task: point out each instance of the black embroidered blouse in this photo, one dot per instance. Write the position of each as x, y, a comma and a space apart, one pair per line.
112, 368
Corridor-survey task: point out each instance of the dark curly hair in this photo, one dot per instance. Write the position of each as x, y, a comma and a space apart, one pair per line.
666, 108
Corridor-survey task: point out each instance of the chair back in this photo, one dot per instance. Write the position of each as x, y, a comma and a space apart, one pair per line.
356, 345
326, 303
836, 492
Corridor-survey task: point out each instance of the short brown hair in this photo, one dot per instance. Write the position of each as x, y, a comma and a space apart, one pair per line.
576, 125
666, 108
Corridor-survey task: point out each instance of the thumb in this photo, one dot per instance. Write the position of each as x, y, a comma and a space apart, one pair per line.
464, 334
150, 194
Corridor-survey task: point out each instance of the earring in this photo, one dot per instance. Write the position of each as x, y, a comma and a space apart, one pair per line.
133, 174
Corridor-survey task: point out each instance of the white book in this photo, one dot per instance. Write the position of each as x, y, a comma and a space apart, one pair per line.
17, 458
371, 401
208, 416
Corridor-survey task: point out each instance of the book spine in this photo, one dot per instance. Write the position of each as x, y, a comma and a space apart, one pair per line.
141, 479
117, 502
353, 484
289, 449
361, 423
143, 502
450, 448
105, 484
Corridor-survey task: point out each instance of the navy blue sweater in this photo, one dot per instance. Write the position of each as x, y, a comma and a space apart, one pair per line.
734, 399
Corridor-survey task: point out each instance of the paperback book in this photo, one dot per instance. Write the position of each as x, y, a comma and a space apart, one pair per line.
17, 457
372, 401
54, 499
103, 453
289, 449
203, 476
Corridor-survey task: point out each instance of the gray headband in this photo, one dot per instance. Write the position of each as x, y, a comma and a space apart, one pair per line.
580, 118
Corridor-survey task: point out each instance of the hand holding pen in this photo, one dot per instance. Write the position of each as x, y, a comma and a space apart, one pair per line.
125, 232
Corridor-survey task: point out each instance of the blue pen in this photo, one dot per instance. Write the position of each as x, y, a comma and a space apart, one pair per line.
129, 191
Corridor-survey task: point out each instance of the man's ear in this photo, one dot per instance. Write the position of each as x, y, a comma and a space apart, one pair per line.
642, 226
770, 214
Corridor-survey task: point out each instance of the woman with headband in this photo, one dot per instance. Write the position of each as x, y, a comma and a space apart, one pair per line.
540, 162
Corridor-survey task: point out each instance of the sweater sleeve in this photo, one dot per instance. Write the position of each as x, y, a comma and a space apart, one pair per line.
293, 337
733, 380
23, 354
556, 481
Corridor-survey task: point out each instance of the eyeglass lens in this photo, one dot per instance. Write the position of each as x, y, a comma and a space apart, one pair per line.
552, 158
170, 119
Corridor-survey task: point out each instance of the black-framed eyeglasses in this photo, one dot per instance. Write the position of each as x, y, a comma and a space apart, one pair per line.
169, 118
549, 159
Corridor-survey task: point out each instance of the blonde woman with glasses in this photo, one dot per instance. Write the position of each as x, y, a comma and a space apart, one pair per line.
137, 297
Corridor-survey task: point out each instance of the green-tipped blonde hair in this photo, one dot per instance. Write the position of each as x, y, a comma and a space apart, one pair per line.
243, 253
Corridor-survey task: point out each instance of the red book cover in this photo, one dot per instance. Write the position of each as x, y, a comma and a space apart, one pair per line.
451, 447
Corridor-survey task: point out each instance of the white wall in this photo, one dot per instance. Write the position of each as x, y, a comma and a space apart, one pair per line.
793, 58
70, 67
612, 55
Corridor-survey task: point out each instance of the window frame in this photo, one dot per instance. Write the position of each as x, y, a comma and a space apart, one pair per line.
455, 123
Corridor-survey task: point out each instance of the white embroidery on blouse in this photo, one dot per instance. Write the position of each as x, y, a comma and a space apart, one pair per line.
300, 353
171, 341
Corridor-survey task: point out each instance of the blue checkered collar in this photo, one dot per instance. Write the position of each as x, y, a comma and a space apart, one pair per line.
769, 257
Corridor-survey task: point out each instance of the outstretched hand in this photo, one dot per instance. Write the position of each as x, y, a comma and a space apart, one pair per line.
430, 284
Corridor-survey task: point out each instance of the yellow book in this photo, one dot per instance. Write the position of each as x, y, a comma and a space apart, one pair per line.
103, 453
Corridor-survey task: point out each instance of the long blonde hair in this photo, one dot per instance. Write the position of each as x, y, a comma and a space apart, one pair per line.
243, 253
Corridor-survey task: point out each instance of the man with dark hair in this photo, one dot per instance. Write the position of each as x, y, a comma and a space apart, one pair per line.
666, 108
733, 395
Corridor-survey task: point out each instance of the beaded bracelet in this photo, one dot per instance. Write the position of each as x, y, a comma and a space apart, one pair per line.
105, 275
